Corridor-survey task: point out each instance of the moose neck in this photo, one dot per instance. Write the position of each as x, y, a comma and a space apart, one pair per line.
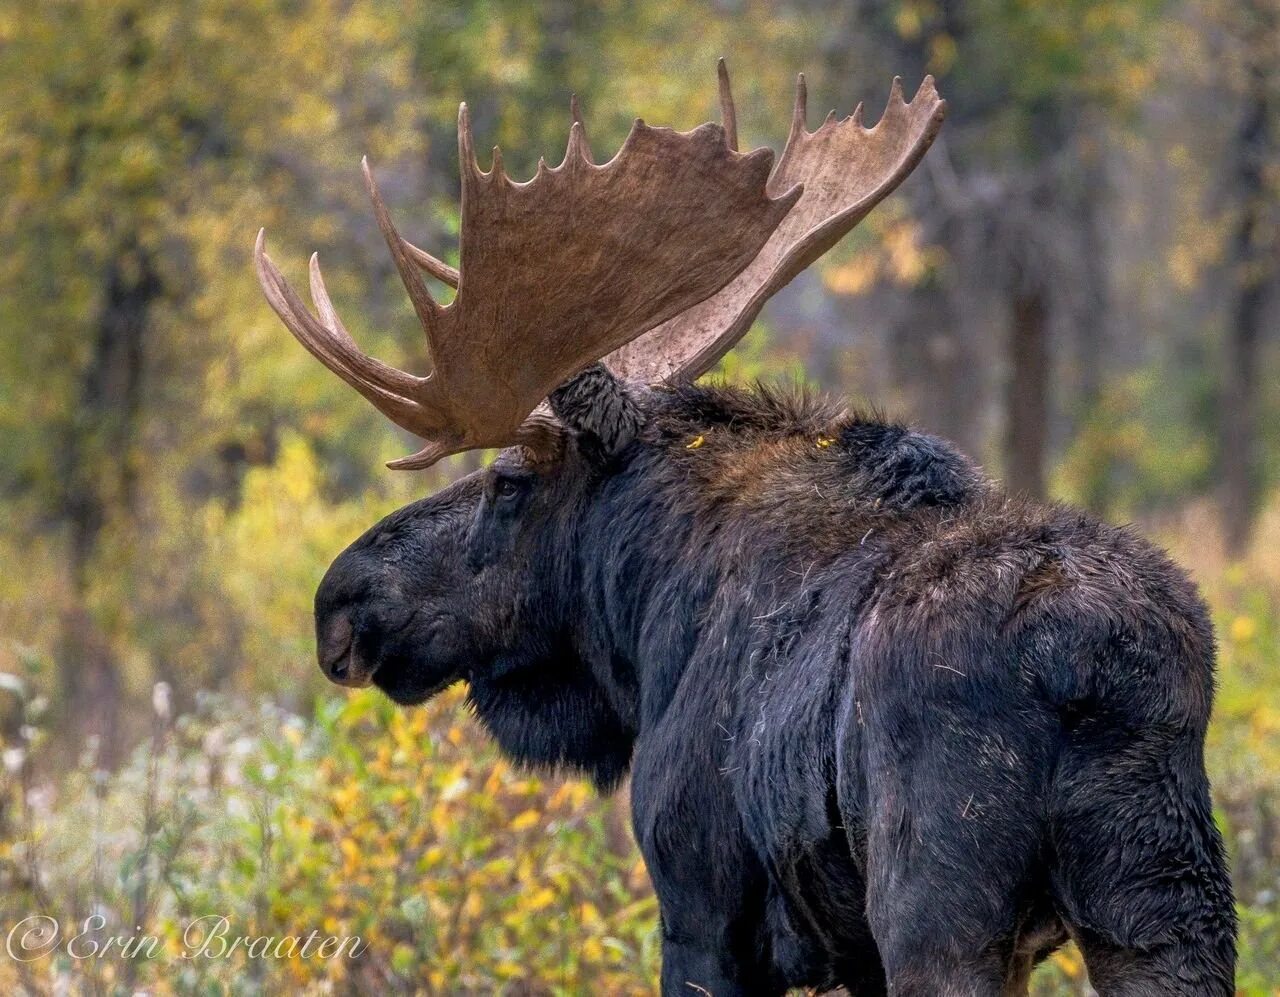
729, 522
735, 505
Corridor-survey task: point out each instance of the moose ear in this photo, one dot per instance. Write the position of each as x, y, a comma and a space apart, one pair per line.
599, 410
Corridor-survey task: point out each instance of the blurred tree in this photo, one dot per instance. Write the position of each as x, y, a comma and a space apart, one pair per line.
1247, 55
136, 140
1011, 196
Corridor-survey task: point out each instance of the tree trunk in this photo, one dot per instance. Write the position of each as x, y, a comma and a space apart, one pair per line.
1239, 404
934, 367
99, 476
1027, 410
1239, 414
1092, 318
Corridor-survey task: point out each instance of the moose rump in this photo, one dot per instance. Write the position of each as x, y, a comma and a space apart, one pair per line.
948, 748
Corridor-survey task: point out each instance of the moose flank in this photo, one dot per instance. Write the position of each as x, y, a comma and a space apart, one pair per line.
886, 726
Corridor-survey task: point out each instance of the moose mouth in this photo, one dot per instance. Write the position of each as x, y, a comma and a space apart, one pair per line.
411, 666
356, 651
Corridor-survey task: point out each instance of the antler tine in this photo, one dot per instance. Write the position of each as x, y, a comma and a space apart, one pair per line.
424, 458
728, 113
467, 164
800, 113
320, 295
438, 269
391, 391
895, 93
578, 132
423, 304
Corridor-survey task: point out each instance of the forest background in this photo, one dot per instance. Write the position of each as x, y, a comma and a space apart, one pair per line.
1079, 285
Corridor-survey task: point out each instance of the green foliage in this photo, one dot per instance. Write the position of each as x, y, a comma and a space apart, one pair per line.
1140, 449
752, 361
456, 872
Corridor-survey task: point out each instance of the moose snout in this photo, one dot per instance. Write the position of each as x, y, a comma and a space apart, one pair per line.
335, 649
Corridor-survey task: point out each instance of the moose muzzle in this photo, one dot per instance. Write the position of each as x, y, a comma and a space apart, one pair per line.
335, 648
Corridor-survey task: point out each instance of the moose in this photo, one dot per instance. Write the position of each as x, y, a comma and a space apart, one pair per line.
887, 727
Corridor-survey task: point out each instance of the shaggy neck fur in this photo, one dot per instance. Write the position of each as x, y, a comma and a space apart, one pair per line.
723, 522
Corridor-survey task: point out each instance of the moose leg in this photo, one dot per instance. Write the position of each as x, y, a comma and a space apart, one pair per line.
711, 948
942, 930
1018, 976
692, 970
953, 844
711, 888
1142, 879
712, 920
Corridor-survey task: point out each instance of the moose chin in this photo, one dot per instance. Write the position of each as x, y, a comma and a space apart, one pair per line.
886, 726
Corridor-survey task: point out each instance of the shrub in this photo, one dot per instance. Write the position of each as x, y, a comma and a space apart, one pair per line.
457, 873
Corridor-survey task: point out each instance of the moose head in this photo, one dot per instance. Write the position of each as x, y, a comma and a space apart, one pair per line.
579, 292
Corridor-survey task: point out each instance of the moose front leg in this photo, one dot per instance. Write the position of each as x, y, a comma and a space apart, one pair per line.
690, 969
721, 955
711, 887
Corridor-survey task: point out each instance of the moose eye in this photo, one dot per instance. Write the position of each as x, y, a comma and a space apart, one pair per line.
505, 488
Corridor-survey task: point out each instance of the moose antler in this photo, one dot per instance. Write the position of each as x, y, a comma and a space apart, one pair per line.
555, 273
657, 261
845, 170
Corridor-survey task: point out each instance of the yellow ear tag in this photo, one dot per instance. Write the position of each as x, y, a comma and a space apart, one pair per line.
697, 442
825, 441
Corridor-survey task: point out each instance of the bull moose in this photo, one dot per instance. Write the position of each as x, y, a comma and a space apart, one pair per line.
886, 726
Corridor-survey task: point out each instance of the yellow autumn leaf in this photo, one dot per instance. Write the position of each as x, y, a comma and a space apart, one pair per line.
343, 797
1244, 629
1069, 962
496, 775
853, 277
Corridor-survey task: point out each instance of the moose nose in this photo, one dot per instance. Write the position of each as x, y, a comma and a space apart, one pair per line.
335, 648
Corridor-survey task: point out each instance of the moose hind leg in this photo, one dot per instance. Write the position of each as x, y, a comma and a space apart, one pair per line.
954, 848
1141, 874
